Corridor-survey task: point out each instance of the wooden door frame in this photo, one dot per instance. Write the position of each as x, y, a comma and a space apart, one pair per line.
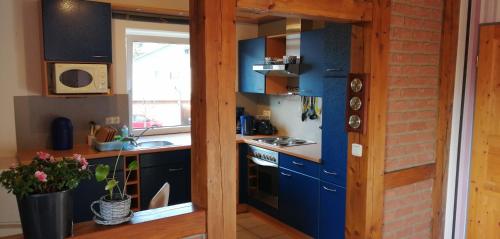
213, 104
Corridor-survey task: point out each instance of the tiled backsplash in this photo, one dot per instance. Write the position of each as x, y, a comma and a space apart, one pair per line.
34, 115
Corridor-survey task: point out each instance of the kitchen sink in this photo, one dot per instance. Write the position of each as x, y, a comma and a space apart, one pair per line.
153, 144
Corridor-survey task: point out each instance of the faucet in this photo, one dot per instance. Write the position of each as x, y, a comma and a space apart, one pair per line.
133, 139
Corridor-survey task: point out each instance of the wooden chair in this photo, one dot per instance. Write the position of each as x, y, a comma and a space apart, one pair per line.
161, 197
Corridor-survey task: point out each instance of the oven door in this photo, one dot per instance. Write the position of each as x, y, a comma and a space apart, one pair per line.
263, 179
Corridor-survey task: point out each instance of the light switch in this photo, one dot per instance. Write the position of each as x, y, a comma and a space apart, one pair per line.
357, 150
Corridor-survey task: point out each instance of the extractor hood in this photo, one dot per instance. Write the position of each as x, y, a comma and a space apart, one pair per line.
291, 32
282, 70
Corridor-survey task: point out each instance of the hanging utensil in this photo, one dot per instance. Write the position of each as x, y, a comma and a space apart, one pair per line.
304, 108
312, 107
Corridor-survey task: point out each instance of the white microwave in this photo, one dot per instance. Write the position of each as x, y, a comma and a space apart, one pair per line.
80, 78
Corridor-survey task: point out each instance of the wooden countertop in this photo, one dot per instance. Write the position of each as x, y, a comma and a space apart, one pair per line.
175, 221
179, 142
182, 141
311, 152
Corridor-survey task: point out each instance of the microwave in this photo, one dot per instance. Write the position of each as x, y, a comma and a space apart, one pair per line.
80, 78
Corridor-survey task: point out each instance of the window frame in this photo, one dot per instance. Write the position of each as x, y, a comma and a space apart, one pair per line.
154, 36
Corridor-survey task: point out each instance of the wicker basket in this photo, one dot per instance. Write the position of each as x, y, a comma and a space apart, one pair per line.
112, 210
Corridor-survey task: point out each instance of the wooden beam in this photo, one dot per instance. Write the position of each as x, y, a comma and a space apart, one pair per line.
365, 175
449, 45
213, 102
409, 176
340, 10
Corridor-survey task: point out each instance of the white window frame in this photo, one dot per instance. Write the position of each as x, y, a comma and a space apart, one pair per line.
146, 35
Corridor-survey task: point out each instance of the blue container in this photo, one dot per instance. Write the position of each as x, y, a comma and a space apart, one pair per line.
62, 134
247, 124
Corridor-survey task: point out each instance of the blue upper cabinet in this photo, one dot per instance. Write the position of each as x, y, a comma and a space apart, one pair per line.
332, 211
76, 31
250, 52
313, 64
334, 137
337, 49
325, 53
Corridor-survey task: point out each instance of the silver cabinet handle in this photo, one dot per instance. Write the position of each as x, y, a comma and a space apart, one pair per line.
334, 69
299, 164
175, 169
99, 56
327, 172
286, 174
329, 189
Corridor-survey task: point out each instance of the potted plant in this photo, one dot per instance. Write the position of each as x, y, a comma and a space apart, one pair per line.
43, 191
114, 206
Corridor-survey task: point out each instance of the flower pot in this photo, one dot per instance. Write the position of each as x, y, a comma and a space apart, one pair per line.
110, 210
48, 215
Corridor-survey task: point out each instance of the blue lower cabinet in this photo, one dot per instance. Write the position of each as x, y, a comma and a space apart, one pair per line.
158, 168
332, 211
298, 201
91, 190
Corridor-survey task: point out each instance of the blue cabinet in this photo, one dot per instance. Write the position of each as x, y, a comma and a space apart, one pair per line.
250, 52
325, 53
158, 168
337, 49
332, 211
334, 137
298, 201
79, 31
91, 190
312, 46
299, 165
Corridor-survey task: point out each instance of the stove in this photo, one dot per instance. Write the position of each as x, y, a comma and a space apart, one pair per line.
283, 141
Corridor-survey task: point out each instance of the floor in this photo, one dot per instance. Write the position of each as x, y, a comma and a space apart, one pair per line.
252, 226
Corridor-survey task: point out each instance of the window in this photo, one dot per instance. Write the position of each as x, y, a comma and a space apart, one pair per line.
159, 75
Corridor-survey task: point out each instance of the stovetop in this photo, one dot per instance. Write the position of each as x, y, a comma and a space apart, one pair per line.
284, 141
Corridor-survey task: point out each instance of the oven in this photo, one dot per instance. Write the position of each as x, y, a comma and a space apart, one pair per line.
263, 176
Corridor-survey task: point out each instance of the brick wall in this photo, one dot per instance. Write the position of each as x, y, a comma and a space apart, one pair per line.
412, 113
413, 83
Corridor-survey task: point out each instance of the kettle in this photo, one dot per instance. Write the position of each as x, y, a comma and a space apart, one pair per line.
247, 124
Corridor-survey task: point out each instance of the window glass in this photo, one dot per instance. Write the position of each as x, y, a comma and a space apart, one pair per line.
161, 85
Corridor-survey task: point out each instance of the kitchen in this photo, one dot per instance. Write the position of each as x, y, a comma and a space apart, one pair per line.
296, 101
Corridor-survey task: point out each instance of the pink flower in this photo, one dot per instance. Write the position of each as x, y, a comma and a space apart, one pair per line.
81, 160
41, 176
43, 155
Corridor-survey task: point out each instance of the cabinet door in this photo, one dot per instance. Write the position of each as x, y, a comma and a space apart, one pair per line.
337, 49
76, 31
312, 67
159, 168
91, 190
250, 52
298, 201
331, 211
334, 136
243, 173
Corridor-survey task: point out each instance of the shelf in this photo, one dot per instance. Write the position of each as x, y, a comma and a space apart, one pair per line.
135, 182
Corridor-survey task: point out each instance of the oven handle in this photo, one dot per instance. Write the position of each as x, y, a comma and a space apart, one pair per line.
262, 162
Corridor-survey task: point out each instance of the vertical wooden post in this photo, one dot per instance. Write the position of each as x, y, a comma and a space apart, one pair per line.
213, 102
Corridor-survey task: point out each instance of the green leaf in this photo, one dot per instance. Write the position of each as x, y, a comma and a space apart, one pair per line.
133, 165
101, 172
111, 184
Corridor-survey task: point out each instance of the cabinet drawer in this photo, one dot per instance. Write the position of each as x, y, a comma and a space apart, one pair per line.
164, 158
299, 165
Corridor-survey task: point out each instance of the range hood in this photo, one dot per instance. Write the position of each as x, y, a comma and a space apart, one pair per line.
291, 32
282, 70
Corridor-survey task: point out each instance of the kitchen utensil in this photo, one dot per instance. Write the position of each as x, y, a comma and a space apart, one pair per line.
264, 127
312, 108
304, 108
289, 59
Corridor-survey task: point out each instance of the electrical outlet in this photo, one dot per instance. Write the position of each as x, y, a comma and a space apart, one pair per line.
116, 120
266, 113
108, 120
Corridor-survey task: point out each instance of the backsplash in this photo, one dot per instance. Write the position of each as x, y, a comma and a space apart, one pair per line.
286, 114
34, 115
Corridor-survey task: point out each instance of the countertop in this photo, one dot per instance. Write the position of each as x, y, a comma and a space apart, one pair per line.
181, 141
